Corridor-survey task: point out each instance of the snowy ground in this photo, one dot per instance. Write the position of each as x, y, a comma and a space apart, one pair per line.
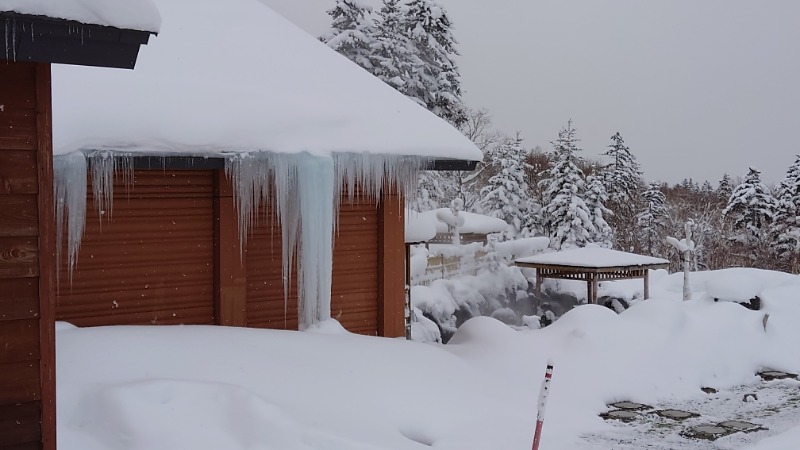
192, 387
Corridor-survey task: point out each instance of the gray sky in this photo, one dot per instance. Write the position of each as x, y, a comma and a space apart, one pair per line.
696, 87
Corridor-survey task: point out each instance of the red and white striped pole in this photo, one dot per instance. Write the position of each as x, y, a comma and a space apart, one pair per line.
543, 392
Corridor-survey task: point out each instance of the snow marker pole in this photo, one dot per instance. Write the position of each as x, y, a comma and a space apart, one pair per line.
543, 392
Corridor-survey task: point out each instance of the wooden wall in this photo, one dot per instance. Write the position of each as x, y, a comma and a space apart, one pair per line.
170, 254
27, 259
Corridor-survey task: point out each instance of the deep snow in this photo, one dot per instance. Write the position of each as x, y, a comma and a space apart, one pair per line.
196, 387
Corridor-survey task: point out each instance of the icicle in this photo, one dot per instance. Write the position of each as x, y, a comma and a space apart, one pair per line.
315, 182
5, 35
304, 192
69, 176
14, 39
104, 166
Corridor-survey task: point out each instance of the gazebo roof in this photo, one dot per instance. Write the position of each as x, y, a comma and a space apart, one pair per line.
592, 259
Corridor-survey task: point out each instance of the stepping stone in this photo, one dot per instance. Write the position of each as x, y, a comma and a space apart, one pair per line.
620, 414
769, 375
676, 414
707, 432
741, 425
630, 406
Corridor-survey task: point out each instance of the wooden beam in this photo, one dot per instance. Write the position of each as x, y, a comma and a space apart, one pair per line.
539, 280
47, 255
230, 271
391, 244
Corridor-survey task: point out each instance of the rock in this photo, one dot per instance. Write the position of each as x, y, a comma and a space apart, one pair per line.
750, 398
620, 414
676, 414
707, 432
741, 425
630, 406
709, 390
769, 375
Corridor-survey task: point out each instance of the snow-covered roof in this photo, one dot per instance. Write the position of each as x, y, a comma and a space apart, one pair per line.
420, 227
234, 76
593, 257
140, 15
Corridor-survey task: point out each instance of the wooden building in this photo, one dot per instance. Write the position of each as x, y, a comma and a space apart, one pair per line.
168, 252
27, 234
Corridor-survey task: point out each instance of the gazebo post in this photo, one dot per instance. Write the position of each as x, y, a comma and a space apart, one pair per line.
646, 278
538, 287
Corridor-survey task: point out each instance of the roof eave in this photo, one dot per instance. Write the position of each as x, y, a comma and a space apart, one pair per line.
34, 38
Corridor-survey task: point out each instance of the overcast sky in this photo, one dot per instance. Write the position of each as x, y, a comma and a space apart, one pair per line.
697, 88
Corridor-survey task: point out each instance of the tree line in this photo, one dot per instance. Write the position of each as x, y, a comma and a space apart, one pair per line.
558, 193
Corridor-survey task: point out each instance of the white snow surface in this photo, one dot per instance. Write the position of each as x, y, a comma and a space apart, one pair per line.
139, 15
594, 257
472, 222
234, 76
419, 227
207, 388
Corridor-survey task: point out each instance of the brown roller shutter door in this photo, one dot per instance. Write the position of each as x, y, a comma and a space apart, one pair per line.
150, 260
354, 299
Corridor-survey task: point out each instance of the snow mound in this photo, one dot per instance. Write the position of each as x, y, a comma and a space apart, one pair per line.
740, 284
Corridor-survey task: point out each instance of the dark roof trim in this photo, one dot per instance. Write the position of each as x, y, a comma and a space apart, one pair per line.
452, 164
199, 162
44, 39
178, 162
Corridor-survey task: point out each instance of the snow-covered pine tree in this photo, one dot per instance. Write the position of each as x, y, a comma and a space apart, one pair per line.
725, 188
566, 217
652, 221
392, 57
596, 197
751, 207
435, 81
786, 226
507, 195
351, 31
623, 179
430, 194
623, 182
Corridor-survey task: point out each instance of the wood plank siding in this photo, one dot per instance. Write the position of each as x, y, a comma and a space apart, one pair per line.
150, 259
170, 254
27, 263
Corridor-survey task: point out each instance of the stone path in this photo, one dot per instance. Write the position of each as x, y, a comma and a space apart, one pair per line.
716, 421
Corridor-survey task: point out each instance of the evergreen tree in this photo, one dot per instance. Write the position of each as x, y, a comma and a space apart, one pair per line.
652, 220
624, 177
392, 57
751, 207
623, 183
434, 80
351, 31
786, 225
430, 194
566, 217
725, 188
596, 197
507, 195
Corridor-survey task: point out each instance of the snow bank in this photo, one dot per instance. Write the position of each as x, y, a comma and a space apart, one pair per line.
128, 14
234, 76
202, 387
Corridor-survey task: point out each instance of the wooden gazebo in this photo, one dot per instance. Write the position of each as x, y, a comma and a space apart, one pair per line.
593, 265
